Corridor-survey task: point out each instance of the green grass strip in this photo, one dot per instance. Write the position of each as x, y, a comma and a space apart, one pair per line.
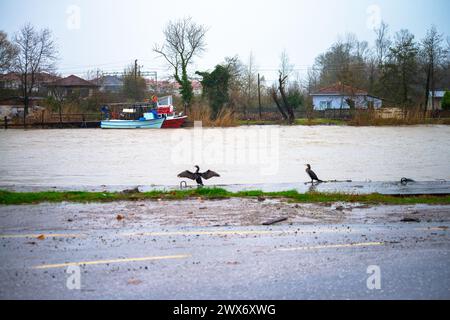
17, 198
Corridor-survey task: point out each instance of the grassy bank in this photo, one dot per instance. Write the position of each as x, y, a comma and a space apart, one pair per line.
356, 122
298, 122
16, 198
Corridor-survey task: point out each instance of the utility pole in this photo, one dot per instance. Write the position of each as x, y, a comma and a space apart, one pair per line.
135, 80
259, 96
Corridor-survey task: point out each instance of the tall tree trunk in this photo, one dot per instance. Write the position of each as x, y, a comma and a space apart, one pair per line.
289, 109
427, 93
432, 85
280, 109
60, 115
405, 91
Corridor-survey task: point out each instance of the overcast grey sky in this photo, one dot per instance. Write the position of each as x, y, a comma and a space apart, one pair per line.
109, 34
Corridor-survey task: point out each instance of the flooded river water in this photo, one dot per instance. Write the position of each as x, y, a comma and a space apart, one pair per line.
245, 155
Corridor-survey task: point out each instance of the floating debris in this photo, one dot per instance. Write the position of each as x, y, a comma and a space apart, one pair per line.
134, 282
410, 220
131, 191
273, 221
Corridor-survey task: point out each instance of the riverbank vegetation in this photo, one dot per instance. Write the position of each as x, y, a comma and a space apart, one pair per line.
21, 198
357, 121
403, 71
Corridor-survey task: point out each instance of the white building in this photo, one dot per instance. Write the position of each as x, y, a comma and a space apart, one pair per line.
438, 96
341, 96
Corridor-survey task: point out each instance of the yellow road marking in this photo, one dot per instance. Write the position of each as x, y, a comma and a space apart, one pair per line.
348, 245
64, 265
178, 233
433, 229
209, 233
235, 232
56, 235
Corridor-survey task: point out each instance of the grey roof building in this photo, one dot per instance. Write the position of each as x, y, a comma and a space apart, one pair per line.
109, 83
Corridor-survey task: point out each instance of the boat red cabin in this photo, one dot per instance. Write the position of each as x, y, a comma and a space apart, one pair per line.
166, 109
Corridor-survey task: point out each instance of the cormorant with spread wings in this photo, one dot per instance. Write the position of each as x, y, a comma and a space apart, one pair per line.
198, 176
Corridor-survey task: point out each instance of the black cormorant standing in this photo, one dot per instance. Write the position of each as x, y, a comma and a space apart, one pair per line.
311, 174
198, 176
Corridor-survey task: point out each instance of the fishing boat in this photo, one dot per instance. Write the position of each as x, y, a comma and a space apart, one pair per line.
133, 117
167, 111
154, 114
132, 124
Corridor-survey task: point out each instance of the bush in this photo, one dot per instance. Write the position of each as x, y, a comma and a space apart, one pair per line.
199, 111
446, 101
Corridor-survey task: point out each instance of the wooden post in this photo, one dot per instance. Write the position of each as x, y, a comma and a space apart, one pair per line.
60, 116
6, 122
259, 97
42, 119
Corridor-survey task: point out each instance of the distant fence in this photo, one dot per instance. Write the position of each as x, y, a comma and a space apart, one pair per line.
271, 113
338, 114
53, 120
390, 113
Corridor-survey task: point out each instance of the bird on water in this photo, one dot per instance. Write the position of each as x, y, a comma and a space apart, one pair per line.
312, 174
198, 176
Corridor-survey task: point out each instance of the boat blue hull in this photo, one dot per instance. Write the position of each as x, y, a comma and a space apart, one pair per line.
132, 124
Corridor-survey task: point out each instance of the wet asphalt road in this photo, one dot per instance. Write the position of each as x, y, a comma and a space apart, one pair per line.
279, 262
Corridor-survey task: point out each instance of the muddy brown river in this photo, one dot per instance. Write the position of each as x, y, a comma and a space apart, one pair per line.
244, 155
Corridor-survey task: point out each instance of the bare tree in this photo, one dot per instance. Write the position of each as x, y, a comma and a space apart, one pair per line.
344, 61
236, 69
58, 94
250, 82
282, 88
184, 40
286, 110
134, 86
286, 68
37, 54
274, 94
382, 43
433, 53
402, 65
312, 79
8, 52
94, 74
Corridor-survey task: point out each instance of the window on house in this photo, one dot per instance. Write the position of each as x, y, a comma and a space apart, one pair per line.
323, 104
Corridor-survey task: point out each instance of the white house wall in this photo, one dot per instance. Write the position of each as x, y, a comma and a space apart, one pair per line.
337, 102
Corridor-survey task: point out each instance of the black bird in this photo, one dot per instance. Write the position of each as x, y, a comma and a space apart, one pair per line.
405, 181
198, 176
311, 174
